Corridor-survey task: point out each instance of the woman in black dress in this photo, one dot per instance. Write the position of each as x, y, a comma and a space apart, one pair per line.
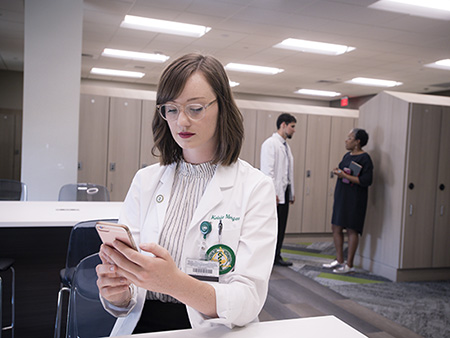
350, 199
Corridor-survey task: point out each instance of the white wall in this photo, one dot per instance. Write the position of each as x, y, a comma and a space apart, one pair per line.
52, 66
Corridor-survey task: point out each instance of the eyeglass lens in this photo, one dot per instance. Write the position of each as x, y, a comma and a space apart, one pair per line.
171, 111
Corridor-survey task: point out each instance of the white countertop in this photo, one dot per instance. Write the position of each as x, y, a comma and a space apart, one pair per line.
314, 327
54, 214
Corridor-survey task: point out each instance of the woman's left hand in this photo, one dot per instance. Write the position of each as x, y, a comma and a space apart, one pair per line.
158, 273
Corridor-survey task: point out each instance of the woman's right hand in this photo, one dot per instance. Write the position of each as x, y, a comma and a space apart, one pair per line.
113, 287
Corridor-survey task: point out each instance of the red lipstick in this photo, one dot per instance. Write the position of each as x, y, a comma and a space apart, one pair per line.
185, 134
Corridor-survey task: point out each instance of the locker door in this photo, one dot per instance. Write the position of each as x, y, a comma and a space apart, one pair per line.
248, 150
441, 252
146, 157
420, 186
316, 173
93, 139
340, 127
124, 145
298, 148
265, 126
7, 138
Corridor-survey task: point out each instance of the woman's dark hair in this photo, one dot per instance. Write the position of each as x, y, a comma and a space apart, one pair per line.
361, 135
230, 127
286, 118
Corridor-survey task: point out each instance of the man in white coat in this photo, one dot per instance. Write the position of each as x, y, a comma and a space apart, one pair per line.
278, 163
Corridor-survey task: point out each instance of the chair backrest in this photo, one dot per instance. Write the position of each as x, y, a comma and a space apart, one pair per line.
87, 317
83, 241
11, 190
83, 192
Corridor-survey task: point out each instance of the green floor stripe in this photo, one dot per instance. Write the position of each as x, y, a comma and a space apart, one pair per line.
306, 253
347, 278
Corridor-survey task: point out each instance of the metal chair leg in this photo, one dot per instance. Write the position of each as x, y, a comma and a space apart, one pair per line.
57, 333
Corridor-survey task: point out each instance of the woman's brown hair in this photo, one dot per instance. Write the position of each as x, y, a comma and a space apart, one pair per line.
230, 127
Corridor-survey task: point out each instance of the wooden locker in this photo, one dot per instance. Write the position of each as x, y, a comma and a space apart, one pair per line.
405, 236
266, 125
93, 139
148, 112
298, 148
316, 173
248, 150
124, 145
420, 189
441, 251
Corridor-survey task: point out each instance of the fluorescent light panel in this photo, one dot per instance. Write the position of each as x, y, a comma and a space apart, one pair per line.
441, 64
163, 26
114, 72
374, 82
314, 47
317, 92
125, 54
233, 84
239, 67
436, 9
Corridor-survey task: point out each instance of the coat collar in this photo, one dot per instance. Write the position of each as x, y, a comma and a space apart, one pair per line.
223, 179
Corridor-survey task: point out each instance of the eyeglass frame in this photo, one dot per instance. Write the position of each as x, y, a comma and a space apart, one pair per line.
178, 106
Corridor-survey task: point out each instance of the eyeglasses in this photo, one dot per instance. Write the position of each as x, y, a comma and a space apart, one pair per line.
195, 111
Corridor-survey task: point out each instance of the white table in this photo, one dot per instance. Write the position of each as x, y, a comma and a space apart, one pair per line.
54, 214
314, 327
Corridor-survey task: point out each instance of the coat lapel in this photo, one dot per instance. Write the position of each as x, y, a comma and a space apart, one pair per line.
213, 195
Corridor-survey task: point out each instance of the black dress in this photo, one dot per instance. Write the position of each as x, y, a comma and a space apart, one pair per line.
350, 200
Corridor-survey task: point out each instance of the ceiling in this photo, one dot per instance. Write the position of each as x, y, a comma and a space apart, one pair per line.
389, 45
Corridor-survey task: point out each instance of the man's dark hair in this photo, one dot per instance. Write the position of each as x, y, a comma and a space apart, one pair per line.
286, 118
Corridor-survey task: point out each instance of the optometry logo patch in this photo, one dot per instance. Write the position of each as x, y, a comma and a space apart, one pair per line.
222, 254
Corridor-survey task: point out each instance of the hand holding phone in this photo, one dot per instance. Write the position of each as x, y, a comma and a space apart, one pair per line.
108, 232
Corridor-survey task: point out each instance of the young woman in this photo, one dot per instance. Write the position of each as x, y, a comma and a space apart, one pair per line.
205, 221
350, 199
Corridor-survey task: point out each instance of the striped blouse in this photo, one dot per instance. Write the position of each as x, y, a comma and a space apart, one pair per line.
188, 187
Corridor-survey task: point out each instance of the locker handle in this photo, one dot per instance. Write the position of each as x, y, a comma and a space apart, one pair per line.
410, 210
442, 210
441, 187
308, 173
80, 165
331, 174
112, 166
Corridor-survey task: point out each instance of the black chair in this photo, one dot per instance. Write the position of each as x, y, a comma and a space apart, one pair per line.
87, 317
7, 264
83, 241
11, 190
83, 192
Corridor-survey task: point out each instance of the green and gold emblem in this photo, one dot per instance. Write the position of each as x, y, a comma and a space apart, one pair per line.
224, 255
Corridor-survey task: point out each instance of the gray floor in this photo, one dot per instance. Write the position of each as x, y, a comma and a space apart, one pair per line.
371, 304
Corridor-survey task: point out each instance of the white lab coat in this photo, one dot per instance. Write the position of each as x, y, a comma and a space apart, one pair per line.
274, 163
245, 200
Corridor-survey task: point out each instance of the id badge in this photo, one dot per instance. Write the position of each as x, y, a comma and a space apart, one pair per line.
203, 270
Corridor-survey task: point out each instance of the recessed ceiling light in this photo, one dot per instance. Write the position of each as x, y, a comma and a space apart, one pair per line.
436, 9
374, 82
114, 72
125, 54
239, 67
317, 92
441, 64
314, 47
233, 84
163, 26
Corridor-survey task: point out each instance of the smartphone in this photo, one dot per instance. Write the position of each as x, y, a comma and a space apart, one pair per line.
108, 232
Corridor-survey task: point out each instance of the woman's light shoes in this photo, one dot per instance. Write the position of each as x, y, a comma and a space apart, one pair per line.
338, 267
334, 264
344, 269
